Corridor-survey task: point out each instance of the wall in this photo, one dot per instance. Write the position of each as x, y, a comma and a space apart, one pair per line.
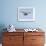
8, 13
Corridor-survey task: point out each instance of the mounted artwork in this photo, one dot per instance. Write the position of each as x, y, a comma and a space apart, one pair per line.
26, 14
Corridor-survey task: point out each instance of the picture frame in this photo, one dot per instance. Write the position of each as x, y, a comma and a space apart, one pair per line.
26, 14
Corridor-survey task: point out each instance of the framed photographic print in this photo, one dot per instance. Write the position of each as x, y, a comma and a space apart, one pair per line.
26, 14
